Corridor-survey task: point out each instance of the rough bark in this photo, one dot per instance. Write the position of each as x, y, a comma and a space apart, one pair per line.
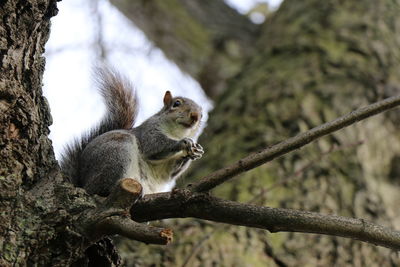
332, 58
26, 152
313, 62
40, 216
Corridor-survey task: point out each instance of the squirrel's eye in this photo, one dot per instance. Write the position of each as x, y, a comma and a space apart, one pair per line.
177, 103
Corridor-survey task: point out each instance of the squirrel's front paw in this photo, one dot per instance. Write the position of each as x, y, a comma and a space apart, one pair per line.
194, 151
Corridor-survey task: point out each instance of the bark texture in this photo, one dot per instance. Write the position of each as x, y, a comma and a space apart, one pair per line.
313, 61
38, 209
26, 152
310, 62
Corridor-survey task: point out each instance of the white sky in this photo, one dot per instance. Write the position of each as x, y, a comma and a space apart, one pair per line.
75, 105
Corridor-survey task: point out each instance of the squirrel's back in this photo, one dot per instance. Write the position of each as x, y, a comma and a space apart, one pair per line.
121, 105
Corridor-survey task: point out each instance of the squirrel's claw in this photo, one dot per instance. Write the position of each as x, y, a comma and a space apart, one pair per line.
194, 150
197, 152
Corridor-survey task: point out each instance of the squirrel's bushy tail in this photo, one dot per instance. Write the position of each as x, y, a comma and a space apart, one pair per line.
121, 111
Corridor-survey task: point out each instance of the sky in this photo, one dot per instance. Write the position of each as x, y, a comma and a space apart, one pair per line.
75, 105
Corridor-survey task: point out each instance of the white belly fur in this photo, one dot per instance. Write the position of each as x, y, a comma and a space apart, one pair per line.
156, 174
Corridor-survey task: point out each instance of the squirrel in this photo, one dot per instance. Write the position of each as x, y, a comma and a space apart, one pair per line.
154, 153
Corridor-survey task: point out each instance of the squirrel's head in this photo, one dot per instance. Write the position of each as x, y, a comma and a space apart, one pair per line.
183, 115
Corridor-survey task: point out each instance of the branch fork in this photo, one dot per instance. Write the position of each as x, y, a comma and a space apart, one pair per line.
112, 216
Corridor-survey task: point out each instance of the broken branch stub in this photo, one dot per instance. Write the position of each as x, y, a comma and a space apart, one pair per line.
111, 217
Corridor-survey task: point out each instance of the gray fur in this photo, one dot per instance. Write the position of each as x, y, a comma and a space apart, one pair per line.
119, 97
153, 144
105, 160
154, 153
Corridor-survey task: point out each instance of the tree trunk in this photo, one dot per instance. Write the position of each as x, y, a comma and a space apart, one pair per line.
26, 151
312, 62
38, 209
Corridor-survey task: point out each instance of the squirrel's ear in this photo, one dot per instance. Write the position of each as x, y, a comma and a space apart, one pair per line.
167, 98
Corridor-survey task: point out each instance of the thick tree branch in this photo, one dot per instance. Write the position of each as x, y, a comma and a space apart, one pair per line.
256, 159
111, 217
184, 203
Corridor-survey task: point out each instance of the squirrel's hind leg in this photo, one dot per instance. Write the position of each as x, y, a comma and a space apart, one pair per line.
105, 161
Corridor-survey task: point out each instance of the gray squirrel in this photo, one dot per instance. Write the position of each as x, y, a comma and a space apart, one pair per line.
155, 153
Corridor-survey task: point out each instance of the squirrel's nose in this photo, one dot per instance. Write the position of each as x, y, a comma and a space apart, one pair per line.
194, 116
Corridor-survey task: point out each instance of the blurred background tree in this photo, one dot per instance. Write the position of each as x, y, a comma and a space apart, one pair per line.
307, 63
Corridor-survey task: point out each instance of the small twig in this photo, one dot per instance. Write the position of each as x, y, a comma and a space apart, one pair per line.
184, 203
254, 160
112, 217
124, 226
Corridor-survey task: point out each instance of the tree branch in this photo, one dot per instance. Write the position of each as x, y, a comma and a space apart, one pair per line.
256, 159
112, 217
184, 203
124, 226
